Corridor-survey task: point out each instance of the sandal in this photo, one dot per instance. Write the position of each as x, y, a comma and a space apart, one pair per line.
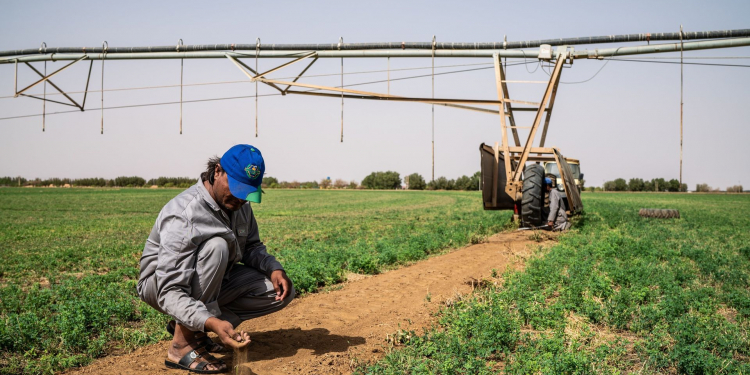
203, 342
200, 368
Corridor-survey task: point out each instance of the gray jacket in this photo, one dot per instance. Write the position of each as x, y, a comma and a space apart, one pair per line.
170, 253
557, 212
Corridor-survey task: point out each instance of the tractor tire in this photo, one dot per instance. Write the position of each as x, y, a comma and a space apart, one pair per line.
659, 213
532, 198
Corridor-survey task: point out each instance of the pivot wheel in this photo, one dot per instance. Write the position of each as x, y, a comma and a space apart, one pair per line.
532, 198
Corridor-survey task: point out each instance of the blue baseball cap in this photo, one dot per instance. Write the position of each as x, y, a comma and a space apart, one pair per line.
546, 179
244, 167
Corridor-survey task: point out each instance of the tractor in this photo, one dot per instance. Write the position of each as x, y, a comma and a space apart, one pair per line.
513, 176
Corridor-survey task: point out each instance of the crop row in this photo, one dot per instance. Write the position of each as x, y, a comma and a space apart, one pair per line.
618, 294
70, 258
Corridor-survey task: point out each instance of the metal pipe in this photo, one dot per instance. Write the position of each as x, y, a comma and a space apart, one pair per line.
661, 48
623, 38
517, 54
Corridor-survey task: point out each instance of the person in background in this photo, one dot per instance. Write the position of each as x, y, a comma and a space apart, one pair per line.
190, 271
557, 219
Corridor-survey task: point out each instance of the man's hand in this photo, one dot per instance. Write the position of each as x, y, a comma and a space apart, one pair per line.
281, 284
551, 224
226, 333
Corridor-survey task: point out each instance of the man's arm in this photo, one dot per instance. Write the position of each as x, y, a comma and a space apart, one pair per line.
174, 270
255, 255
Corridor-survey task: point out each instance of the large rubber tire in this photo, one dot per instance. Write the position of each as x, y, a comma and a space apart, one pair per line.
659, 213
532, 198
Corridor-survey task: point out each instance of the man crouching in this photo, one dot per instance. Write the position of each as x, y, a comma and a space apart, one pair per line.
190, 265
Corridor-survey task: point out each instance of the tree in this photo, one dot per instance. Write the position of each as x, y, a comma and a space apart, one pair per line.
416, 182
270, 182
660, 184
702, 188
609, 186
673, 185
134, 181
339, 184
353, 184
735, 189
476, 180
309, 185
635, 184
464, 183
325, 183
442, 183
382, 180
621, 185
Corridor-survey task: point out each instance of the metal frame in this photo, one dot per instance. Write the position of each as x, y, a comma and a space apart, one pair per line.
518, 153
47, 79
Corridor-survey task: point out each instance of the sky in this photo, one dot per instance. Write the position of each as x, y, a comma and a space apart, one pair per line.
622, 120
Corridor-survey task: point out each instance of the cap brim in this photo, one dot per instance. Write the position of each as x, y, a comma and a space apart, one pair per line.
255, 197
243, 191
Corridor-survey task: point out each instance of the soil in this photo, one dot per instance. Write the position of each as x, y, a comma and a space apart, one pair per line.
333, 331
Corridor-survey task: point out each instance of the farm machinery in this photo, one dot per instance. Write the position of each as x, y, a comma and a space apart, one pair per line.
512, 176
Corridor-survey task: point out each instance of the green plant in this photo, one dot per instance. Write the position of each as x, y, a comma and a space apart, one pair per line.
70, 258
615, 294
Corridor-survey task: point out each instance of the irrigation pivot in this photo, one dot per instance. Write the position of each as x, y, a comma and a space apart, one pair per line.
503, 164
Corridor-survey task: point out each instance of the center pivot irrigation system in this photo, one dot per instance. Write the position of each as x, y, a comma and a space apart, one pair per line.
508, 183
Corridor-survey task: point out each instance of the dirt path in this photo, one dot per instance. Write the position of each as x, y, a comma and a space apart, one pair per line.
329, 332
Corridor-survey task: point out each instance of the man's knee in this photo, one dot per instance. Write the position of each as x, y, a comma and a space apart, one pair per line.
214, 253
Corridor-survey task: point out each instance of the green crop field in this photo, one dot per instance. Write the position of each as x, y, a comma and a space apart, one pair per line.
618, 294
70, 257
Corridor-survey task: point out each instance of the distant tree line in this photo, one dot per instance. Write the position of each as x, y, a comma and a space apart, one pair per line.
658, 184
704, 188
639, 184
181, 182
326, 183
388, 180
416, 182
122, 181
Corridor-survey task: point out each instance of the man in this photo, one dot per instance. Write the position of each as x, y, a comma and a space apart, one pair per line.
557, 218
190, 270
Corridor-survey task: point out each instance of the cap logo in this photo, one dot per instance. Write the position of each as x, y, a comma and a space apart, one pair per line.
252, 171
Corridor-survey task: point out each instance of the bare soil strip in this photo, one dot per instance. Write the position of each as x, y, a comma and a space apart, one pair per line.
330, 332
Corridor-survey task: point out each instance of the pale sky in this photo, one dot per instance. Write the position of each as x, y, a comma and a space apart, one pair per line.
623, 122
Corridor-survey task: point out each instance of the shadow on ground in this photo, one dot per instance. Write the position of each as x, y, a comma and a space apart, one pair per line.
283, 343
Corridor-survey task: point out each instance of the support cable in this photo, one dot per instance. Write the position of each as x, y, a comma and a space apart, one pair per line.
182, 63
44, 101
104, 55
238, 97
681, 102
316, 76
389, 76
405, 69
257, 51
433, 108
341, 41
